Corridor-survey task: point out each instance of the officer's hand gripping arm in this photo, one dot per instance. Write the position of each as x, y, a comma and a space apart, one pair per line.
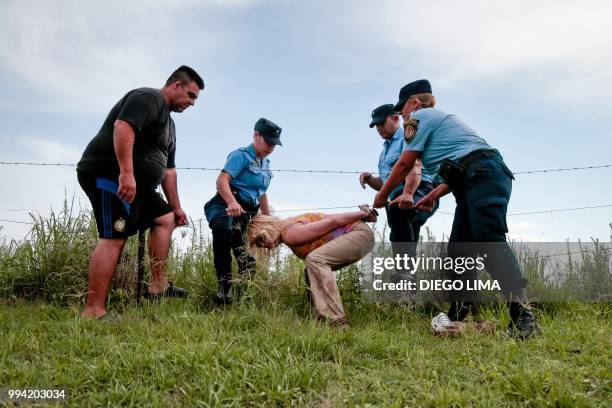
223, 187
426, 203
400, 170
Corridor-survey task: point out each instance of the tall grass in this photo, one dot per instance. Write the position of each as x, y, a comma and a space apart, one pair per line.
51, 263
583, 275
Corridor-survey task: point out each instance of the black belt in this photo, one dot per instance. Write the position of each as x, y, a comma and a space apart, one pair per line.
476, 155
426, 184
246, 206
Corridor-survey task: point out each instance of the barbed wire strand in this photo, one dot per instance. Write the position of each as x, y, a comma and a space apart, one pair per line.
538, 256
555, 210
355, 206
586, 251
17, 222
323, 171
561, 210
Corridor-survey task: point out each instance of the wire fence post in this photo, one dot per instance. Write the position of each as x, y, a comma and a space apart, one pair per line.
141, 265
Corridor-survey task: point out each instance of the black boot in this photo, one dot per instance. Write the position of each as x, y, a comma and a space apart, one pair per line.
523, 324
458, 311
224, 296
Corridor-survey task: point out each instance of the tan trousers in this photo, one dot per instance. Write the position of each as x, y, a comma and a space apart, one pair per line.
334, 255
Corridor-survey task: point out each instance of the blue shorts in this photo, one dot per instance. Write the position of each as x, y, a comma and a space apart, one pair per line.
115, 218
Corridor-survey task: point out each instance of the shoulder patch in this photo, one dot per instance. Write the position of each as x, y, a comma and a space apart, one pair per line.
410, 128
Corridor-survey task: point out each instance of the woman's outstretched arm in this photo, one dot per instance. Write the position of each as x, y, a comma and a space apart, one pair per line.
299, 234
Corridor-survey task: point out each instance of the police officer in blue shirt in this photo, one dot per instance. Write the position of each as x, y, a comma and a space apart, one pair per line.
404, 221
481, 182
241, 193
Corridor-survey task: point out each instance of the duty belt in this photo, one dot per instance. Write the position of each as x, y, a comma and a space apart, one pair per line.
476, 155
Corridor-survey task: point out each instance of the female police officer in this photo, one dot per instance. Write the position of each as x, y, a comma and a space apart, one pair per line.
481, 184
241, 192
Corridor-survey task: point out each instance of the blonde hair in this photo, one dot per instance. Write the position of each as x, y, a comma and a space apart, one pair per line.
266, 227
427, 100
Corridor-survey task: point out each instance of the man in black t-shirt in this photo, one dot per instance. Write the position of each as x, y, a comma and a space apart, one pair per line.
120, 170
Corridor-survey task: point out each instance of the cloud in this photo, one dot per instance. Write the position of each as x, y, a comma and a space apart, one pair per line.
557, 50
489, 38
52, 151
36, 189
60, 52
82, 56
36, 148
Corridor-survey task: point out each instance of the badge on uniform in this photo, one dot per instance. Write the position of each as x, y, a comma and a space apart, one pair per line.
410, 129
119, 225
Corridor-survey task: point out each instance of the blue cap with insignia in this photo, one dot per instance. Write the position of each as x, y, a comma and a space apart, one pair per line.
380, 114
413, 88
269, 130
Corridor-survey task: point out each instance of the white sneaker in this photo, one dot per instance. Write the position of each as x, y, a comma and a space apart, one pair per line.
442, 326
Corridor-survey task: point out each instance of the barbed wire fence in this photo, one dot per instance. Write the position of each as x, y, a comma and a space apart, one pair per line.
327, 171
323, 171
37, 217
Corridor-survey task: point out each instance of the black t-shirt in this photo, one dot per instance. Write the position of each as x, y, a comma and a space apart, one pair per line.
154, 146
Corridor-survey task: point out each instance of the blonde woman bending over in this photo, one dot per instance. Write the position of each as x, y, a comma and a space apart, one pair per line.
326, 242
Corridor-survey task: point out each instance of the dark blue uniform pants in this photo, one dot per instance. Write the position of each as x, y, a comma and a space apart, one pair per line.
228, 236
406, 225
480, 217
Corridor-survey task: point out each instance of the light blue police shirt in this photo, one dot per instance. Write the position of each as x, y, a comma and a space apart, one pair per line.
250, 175
442, 136
392, 150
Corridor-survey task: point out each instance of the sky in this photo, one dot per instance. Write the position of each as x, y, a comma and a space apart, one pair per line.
532, 78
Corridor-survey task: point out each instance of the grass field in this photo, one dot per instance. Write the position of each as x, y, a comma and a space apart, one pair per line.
268, 350
178, 353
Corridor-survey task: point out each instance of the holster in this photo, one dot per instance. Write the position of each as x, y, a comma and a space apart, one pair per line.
452, 172
216, 207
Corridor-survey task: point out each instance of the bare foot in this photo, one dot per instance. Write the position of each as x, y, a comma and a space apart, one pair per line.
158, 286
90, 313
